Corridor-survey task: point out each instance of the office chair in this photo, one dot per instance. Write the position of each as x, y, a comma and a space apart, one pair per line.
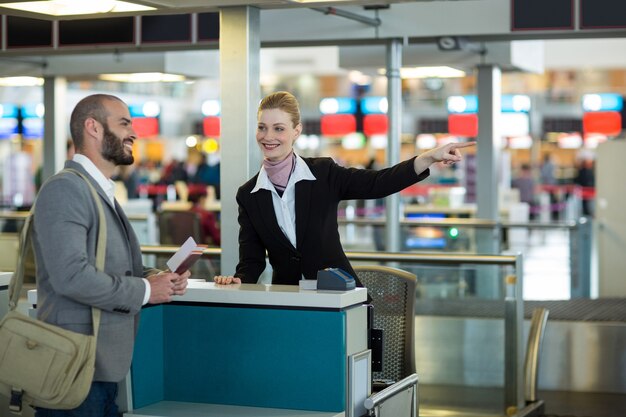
176, 226
392, 292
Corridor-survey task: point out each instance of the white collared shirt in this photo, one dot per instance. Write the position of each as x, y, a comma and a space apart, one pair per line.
285, 206
108, 186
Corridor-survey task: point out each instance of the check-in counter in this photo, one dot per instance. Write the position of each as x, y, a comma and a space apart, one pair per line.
5, 279
251, 350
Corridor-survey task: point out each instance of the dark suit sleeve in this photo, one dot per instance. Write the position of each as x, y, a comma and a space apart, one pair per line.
251, 249
354, 183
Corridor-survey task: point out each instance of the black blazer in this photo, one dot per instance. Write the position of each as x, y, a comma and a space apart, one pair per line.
317, 233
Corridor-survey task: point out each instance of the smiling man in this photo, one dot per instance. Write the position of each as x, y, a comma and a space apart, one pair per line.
65, 244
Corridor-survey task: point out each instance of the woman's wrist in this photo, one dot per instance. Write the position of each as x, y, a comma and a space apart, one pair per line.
422, 162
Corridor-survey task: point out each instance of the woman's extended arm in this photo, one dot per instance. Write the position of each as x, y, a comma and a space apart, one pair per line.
448, 154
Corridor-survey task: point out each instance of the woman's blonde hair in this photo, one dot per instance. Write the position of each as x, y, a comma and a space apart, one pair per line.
284, 101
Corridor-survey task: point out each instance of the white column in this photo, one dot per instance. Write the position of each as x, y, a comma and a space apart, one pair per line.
489, 141
240, 95
56, 120
488, 157
394, 113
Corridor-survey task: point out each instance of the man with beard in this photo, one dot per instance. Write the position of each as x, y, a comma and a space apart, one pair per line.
65, 238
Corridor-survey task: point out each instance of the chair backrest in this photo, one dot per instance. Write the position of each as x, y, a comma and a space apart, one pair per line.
392, 292
176, 226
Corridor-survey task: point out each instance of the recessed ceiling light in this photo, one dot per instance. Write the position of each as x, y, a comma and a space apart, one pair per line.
143, 77
428, 72
76, 7
317, 1
21, 81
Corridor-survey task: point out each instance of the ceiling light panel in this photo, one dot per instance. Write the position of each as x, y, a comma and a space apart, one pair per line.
76, 7
143, 77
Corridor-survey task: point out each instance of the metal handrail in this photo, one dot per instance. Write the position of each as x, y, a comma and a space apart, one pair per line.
452, 222
22, 215
137, 216
430, 258
380, 397
170, 250
380, 221
13, 215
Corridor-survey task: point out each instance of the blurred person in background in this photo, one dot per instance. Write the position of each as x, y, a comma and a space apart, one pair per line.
525, 183
548, 180
208, 219
585, 178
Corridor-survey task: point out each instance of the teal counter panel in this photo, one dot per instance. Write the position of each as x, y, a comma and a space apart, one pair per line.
148, 357
262, 357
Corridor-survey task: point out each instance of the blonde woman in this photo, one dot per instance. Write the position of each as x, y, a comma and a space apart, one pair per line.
289, 208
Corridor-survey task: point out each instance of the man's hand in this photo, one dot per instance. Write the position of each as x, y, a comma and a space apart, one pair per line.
180, 283
166, 284
225, 280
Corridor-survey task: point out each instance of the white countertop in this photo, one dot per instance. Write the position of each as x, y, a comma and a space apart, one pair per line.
5, 278
261, 294
270, 295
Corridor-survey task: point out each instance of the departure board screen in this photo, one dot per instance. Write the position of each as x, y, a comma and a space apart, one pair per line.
26, 32
555, 124
115, 30
169, 28
542, 14
602, 14
432, 125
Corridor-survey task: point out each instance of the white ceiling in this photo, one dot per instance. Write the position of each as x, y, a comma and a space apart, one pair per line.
287, 23
186, 6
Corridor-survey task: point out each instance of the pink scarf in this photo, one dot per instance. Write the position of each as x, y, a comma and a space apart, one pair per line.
279, 172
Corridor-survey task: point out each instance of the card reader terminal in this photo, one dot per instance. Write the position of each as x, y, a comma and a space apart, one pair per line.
335, 279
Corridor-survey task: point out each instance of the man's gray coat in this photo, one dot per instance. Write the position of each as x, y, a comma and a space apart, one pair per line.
68, 284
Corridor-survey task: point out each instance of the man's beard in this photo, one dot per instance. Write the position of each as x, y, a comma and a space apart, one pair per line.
113, 149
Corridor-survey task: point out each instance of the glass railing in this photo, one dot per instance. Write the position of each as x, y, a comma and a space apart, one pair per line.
558, 250
557, 254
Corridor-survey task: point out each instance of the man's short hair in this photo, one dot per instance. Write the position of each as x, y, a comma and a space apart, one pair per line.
90, 107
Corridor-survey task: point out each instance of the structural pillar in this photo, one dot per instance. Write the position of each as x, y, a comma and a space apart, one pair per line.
55, 121
487, 188
240, 95
394, 114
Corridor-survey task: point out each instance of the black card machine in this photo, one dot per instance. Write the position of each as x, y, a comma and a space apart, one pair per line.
335, 279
